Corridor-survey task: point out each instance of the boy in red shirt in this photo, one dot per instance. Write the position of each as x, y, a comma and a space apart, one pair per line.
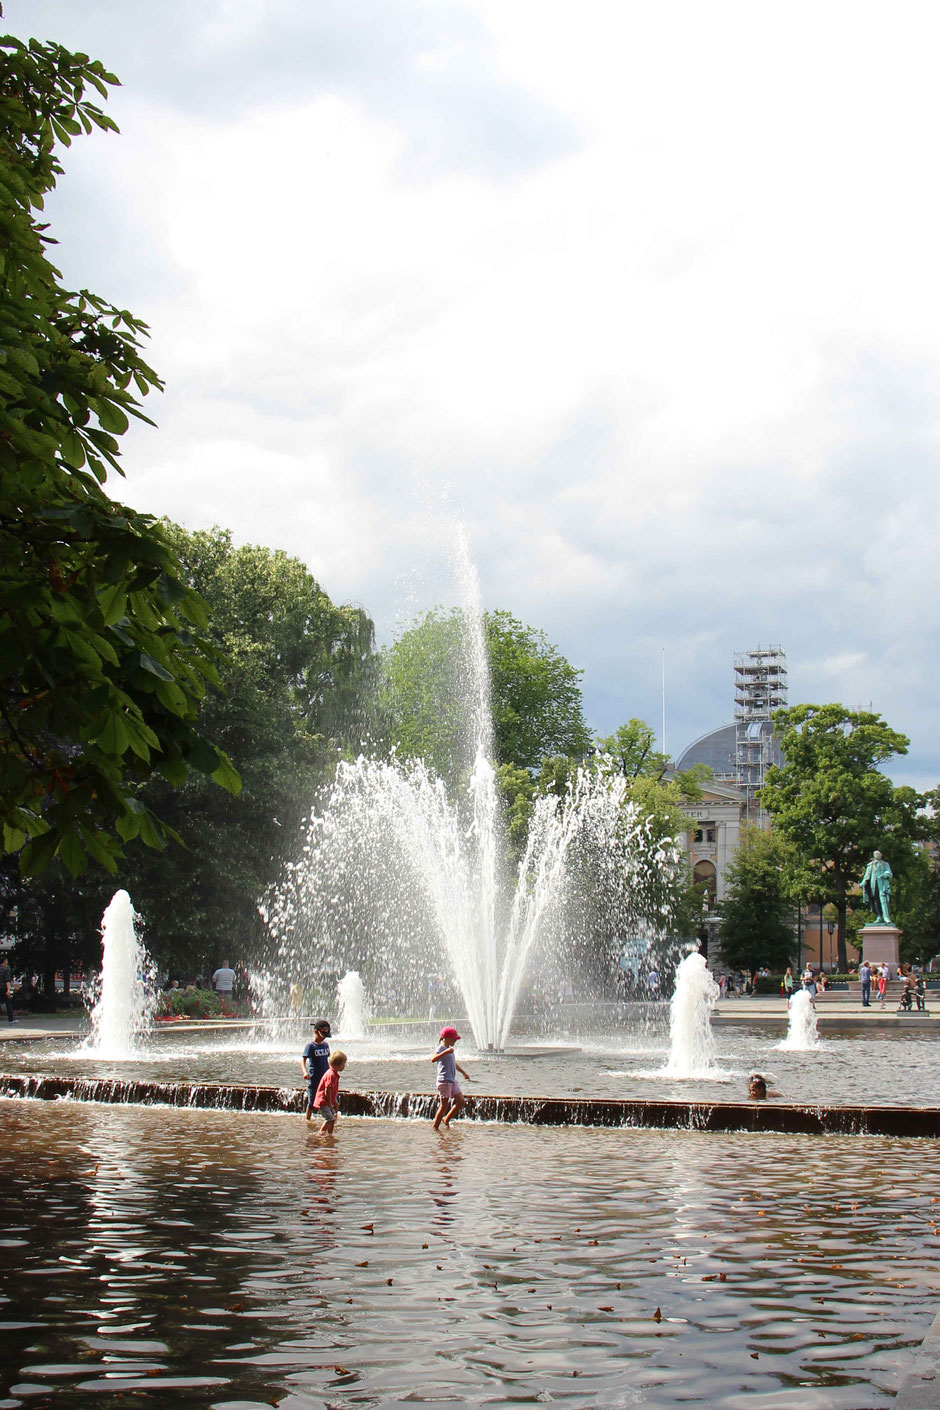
326, 1101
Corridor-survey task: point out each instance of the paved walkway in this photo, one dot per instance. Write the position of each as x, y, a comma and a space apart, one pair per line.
831, 1011
766, 1011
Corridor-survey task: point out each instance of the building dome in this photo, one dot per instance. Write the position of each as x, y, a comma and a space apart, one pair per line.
717, 749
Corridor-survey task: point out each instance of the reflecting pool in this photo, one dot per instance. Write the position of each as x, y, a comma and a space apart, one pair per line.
239, 1261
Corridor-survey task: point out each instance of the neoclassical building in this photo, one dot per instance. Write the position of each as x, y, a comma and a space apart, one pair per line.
714, 834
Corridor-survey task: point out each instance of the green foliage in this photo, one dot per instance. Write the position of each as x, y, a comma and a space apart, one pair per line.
536, 696
517, 789
296, 678
54, 920
833, 805
537, 707
102, 659
757, 911
918, 909
189, 1003
660, 802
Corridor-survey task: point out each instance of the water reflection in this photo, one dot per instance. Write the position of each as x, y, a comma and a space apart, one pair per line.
237, 1259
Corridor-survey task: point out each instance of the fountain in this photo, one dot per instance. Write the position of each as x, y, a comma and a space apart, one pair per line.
691, 1042
801, 1027
400, 878
126, 997
353, 1006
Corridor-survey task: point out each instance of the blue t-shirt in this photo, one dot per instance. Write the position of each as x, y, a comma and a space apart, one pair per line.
318, 1060
447, 1067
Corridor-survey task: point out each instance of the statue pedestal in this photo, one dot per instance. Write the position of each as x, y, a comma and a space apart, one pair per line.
880, 945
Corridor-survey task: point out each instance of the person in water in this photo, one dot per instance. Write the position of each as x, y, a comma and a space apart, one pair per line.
757, 1088
450, 1097
316, 1062
326, 1101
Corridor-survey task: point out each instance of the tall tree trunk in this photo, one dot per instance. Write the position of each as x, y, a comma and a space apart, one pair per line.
842, 908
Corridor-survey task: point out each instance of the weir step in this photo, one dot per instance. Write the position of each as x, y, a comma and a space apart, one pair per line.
532, 1111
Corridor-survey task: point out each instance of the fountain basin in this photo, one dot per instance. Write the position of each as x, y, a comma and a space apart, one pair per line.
899, 1064
222, 1258
530, 1111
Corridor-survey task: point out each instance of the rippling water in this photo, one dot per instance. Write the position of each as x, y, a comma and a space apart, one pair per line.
238, 1261
873, 1067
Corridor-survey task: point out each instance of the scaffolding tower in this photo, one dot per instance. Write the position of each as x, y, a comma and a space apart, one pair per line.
760, 688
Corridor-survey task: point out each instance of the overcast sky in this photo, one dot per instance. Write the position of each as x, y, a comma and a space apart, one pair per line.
646, 293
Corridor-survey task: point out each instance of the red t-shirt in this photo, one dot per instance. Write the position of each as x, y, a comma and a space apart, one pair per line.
328, 1090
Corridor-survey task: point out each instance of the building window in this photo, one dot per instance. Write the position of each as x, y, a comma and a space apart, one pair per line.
705, 876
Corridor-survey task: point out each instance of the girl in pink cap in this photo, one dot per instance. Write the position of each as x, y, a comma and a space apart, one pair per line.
448, 1090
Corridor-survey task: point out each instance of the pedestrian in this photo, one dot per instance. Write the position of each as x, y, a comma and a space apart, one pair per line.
6, 989
883, 976
864, 975
223, 981
315, 1061
450, 1097
909, 993
786, 987
326, 1101
809, 983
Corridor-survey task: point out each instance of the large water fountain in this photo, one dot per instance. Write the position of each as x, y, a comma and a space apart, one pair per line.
402, 877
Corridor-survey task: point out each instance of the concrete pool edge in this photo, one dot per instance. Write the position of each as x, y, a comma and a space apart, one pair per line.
920, 1389
786, 1118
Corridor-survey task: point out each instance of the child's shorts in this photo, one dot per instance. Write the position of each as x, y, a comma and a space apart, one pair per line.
448, 1090
329, 1113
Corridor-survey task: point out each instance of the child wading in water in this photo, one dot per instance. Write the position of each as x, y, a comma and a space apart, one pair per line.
450, 1097
316, 1061
326, 1101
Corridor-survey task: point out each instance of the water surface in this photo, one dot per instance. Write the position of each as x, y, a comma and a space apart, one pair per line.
885, 1067
237, 1261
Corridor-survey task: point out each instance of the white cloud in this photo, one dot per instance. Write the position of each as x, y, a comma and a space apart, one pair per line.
647, 292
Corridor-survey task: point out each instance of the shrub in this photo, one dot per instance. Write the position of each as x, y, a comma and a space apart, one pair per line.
189, 1003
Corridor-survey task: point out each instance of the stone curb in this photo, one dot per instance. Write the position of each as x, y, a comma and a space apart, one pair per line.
920, 1389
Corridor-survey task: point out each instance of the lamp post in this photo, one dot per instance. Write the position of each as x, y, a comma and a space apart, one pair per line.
830, 926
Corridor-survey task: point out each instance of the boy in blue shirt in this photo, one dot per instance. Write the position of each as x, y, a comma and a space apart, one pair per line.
315, 1062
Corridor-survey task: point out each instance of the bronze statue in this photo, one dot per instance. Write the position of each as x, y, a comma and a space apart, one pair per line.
876, 888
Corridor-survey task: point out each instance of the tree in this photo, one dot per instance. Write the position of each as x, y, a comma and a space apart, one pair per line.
103, 661
428, 694
537, 707
660, 799
757, 911
833, 805
296, 677
918, 909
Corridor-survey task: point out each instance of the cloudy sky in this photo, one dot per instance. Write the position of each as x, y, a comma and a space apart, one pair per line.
646, 293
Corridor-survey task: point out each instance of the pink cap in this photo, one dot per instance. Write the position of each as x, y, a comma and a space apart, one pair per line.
450, 1035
